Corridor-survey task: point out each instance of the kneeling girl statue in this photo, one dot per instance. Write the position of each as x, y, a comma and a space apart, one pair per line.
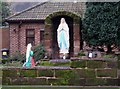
63, 37
29, 57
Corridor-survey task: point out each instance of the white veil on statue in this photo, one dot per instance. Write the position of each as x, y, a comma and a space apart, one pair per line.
29, 46
27, 54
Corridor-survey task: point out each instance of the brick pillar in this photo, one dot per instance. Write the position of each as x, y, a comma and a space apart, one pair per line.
37, 34
76, 30
13, 38
22, 39
48, 38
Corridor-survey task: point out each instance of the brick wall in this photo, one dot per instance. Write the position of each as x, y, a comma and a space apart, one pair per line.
13, 38
23, 35
76, 38
4, 38
18, 36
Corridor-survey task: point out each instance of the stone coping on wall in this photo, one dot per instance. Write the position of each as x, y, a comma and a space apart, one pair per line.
81, 58
59, 60
40, 67
86, 58
78, 62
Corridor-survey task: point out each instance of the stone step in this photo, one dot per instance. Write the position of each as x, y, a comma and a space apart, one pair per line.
59, 60
78, 63
55, 62
54, 67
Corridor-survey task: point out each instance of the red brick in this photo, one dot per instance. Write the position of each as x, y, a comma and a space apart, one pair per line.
18, 38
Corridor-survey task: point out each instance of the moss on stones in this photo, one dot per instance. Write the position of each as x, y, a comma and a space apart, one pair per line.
112, 64
96, 64
12, 72
66, 75
85, 73
95, 82
45, 73
72, 15
77, 82
107, 73
113, 82
118, 64
57, 81
78, 64
6, 81
28, 73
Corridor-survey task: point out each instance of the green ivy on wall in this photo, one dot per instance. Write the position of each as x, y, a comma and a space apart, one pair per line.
73, 15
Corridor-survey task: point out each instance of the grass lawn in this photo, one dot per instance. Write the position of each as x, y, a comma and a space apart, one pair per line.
59, 87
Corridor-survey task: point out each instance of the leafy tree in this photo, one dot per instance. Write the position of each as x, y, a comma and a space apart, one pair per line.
118, 33
4, 12
100, 24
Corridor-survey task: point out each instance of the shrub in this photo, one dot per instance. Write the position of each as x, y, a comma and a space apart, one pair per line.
119, 57
81, 53
39, 52
0, 60
17, 56
13, 63
6, 60
108, 56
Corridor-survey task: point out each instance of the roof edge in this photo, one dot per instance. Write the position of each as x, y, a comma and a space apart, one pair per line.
29, 8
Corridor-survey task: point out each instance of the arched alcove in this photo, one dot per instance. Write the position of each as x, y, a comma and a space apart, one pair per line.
51, 25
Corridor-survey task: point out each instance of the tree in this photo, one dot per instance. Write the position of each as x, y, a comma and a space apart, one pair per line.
100, 24
118, 33
4, 12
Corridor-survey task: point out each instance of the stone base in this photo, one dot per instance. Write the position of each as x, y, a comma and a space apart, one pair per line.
66, 56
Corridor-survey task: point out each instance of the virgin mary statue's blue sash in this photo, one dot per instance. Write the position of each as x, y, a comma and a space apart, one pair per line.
63, 40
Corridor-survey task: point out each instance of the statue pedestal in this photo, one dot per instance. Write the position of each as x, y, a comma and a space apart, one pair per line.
64, 56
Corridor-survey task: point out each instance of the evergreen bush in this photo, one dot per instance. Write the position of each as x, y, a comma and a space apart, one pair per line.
39, 52
17, 56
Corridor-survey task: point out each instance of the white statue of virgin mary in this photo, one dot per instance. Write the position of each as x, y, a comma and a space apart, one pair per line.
63, 37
